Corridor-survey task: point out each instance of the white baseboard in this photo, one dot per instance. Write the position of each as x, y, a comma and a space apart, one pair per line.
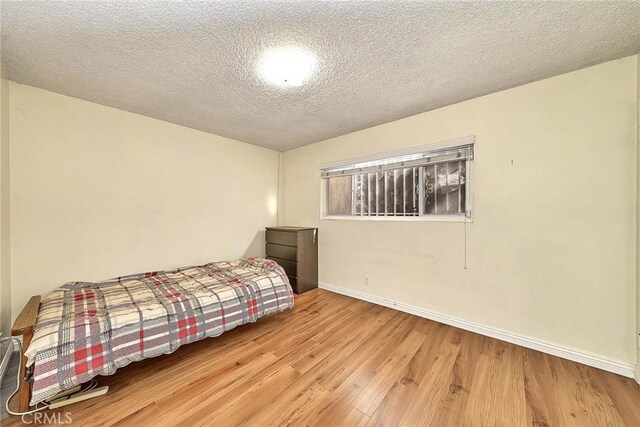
637, 374
617, 367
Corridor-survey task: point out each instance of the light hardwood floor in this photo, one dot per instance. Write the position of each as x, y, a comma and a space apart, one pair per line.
335, 360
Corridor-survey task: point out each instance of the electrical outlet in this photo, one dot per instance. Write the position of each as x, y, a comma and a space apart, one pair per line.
367, 280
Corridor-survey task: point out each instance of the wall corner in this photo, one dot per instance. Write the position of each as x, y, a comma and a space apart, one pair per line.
280, 209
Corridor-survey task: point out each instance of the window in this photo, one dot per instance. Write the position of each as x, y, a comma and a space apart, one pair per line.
425, 184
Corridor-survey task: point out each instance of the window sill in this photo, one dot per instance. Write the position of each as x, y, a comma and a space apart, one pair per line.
422, 218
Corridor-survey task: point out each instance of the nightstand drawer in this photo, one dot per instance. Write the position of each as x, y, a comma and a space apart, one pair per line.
283, 252
282, 237
290, 267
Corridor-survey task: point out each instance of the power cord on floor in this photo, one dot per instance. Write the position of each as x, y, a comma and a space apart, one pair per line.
18, 343
39, 406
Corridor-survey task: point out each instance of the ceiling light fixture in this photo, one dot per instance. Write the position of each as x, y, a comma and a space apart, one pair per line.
287, 66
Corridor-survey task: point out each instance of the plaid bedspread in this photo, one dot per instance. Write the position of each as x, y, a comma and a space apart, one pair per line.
89, 329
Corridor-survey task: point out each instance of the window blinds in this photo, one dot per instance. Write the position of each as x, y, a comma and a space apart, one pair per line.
463, 152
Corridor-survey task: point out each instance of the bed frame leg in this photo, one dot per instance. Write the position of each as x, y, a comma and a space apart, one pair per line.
24, 325
20, 401
24, 393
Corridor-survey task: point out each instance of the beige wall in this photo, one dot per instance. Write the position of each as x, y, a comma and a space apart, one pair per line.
638, 221
98, 192
551, 251
5, 246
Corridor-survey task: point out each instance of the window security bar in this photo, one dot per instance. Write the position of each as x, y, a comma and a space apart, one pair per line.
432, 183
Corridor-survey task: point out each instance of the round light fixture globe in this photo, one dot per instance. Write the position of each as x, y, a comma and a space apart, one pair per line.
287, 66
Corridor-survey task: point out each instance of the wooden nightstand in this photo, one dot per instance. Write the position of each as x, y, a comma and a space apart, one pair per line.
296, 250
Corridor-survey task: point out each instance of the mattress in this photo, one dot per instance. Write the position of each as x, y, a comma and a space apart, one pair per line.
87, 329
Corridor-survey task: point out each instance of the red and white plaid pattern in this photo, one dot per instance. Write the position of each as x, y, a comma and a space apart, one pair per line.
89, 329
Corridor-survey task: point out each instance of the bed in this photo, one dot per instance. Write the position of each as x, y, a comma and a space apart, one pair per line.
87, 329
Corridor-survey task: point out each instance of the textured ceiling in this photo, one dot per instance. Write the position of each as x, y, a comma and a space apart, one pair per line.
192, 63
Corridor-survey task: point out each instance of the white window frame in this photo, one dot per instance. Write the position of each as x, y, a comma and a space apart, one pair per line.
469, 184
